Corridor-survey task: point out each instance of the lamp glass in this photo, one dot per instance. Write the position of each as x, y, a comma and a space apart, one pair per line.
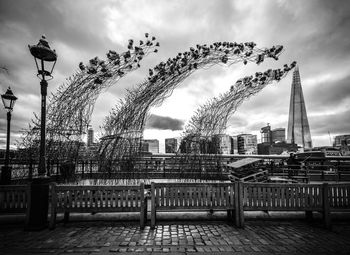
8, 99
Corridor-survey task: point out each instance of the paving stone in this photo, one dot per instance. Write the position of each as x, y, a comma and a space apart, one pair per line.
203, 237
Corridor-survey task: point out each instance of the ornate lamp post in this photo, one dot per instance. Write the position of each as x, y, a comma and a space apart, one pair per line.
45, 60
43, 54
8, 100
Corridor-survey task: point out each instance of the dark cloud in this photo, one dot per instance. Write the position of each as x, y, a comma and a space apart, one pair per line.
163, 123
315, 33
331, 94
334, 123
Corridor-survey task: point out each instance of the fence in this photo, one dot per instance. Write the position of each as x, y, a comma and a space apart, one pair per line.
14, 198
235, 198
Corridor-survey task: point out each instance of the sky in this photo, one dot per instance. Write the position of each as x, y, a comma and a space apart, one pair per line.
314, 33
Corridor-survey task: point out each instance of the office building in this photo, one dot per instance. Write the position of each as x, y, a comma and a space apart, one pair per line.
278, 135
266, 135
247, 144
90, 140
222, 144
152, 145
172, 145
234, 145
298, 124
340, 140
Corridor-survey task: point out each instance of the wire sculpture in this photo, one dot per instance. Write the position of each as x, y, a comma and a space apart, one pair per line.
211, 118
71, 106
124, 127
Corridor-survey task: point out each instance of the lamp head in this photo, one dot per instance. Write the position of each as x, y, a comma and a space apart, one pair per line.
45, 54
8, 99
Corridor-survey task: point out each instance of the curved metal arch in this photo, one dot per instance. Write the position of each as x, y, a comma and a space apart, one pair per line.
211, 118
71, 106
131, 112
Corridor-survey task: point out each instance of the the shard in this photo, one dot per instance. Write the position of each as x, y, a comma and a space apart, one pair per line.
298, 124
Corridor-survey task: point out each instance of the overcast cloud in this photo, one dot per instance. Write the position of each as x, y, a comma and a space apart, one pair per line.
314, 33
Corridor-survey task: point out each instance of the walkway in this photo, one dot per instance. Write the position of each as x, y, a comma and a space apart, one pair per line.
258, 237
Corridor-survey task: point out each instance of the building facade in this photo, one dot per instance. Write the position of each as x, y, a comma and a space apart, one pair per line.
222, 144
298, 124
171, 145
234, 145
339, 140
90, 139
266, 135
152, 145
278, 135
247, 144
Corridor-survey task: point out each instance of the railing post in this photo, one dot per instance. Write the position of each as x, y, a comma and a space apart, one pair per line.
236, 197
29, 202
53, 206
90, 168
82, 168
326, 207
142, 209
239, 210
241, 204
153, 206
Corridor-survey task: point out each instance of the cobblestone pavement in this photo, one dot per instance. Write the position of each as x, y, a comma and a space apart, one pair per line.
258, 237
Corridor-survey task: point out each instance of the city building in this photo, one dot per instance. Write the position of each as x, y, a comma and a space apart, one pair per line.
234, 145
298, 124
276, 148
247, 144
172, 145
341, 139
266, 135
274, 142
152, 144
144, 146
278, 135
90, 139
221, 144
343, 142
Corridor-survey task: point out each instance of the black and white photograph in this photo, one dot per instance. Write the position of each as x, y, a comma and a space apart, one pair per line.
174, 127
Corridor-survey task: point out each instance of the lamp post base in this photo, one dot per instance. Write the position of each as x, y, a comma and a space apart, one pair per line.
38, 207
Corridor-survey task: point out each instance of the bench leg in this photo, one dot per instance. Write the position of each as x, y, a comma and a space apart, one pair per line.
143, 214
153, 218
142, 220
66, 217
52, 220
146, 211
231, 215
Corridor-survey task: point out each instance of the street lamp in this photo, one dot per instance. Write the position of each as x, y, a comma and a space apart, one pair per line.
45, 60
8, 100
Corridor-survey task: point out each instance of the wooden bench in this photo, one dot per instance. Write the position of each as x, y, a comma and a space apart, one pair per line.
284, 197
192, 197
14, 199
93, 199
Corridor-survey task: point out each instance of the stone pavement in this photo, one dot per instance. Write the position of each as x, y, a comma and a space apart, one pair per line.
211, 237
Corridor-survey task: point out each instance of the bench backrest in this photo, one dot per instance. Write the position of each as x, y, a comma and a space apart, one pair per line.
281, 197
193, 195
339, 196
14, 198
98, 198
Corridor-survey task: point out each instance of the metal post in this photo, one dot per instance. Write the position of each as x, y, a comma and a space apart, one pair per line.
7, 157
6, 170
42, 160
